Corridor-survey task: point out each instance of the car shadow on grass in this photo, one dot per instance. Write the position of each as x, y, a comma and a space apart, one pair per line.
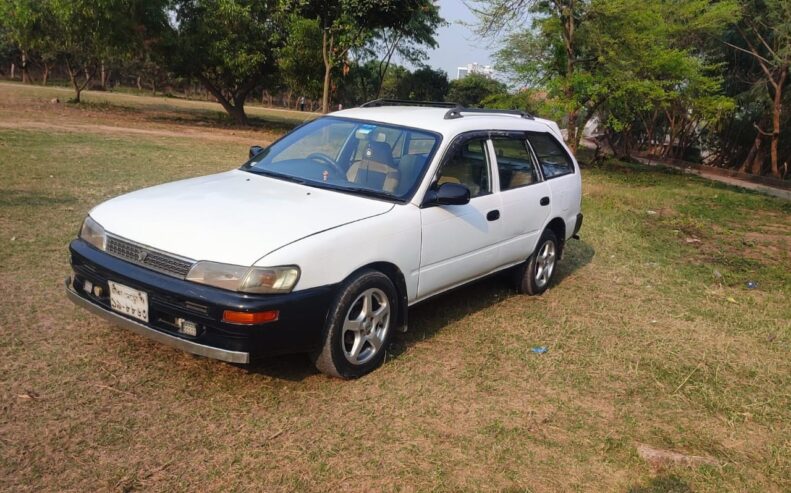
291, 367
428, 318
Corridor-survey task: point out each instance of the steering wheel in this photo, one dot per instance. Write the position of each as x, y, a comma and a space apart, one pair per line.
320, 157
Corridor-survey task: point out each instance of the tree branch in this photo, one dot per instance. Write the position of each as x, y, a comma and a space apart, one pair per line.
761, 131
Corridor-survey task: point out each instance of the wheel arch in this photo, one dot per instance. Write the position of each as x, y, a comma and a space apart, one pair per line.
558, 226
399, 281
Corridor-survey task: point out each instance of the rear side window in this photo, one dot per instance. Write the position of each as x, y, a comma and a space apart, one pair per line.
514, 164
552, 158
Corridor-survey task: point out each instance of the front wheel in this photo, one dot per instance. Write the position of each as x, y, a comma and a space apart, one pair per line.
359, 326
534, 276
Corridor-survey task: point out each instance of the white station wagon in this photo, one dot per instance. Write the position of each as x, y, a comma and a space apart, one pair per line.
321, 241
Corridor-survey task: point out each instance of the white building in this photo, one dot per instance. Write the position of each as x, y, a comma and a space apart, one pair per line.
474, 68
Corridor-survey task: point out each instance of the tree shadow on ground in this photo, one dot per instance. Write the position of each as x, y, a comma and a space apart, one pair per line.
213, 119
668, 483
24, 198
428, 318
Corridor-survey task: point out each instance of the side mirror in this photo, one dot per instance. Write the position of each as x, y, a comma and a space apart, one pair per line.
448, 194
255, 150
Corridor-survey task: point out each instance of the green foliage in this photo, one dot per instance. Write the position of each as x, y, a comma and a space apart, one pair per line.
524, 100
23, 22
299, 60
424, 84
351, 24
471, 90
639, 64
229, 45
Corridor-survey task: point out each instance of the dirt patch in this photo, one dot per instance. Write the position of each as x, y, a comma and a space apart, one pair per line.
248, 137
660, 458
25, 111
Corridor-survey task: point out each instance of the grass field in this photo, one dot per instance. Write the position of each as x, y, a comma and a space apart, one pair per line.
653, 338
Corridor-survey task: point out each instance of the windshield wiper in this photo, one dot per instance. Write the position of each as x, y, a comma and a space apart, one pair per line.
365, 191
279, 176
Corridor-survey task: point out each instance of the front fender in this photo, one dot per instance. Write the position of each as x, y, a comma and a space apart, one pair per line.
331, 256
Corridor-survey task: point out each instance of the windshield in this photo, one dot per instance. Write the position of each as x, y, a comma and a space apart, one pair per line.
352, 155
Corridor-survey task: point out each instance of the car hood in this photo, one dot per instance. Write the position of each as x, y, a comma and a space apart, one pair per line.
234, 217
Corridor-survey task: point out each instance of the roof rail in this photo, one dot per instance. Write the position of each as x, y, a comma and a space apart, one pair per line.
459, 111
407, 102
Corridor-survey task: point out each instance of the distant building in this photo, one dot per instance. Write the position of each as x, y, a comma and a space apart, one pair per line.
474, 68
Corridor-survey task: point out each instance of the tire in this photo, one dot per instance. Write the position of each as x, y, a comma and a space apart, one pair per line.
535, 275
359, 326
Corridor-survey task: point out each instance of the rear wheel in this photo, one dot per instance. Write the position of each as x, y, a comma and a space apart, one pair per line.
534, 276
359, 326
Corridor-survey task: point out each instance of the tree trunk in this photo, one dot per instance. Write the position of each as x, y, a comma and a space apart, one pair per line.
13, 71
326, 48
758, 161
24, 67
102, 77
45, 74
78, 87
384, 65
567, 14
776, 110
236, 109
748, 161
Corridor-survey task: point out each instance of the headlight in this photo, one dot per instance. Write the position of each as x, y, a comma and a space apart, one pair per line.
93, 233
245, 279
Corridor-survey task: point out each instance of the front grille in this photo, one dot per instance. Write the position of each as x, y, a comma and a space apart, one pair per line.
152, 259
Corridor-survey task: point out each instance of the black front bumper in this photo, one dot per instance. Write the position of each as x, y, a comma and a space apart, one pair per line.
298, 329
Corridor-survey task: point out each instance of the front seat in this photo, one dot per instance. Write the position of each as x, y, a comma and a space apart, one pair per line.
377, 169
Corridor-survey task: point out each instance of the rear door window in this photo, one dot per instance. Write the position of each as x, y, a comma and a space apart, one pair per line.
553, 159
515, 166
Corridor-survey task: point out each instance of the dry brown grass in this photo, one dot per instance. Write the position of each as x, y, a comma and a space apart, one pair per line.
651, 340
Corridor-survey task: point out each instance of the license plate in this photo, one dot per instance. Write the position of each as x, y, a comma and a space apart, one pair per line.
129, 301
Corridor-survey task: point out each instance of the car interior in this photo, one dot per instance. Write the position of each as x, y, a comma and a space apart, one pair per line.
468, 167
391, 167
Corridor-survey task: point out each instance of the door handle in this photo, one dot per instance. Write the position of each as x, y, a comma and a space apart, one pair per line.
493, 215
544, 201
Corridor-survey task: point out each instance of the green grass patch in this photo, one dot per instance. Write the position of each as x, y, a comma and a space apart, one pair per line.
653, 337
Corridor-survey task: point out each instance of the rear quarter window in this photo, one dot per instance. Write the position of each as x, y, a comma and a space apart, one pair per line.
553, 159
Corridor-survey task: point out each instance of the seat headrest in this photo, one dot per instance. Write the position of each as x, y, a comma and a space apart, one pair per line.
379, 152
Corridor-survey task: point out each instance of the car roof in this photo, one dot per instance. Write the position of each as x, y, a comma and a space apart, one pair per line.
433, 119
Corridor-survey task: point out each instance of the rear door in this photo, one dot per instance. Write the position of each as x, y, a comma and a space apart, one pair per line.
526, 198
559, 171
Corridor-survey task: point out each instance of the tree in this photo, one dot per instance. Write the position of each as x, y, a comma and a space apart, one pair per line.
560, 26
300, 60
638, 61
425, 84
765, 32
230, 46
659, 92
85, 32
474, 88
408, 39
24, 23
349, 24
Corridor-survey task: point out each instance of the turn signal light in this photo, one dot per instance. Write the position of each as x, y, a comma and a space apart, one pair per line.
250, 318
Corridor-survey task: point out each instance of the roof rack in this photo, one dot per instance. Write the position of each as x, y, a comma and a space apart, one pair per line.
407, 102
455, 109
458, 112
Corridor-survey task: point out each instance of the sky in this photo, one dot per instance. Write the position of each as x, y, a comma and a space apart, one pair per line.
458, 45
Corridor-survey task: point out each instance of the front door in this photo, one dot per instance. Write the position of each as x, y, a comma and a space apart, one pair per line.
460, 242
